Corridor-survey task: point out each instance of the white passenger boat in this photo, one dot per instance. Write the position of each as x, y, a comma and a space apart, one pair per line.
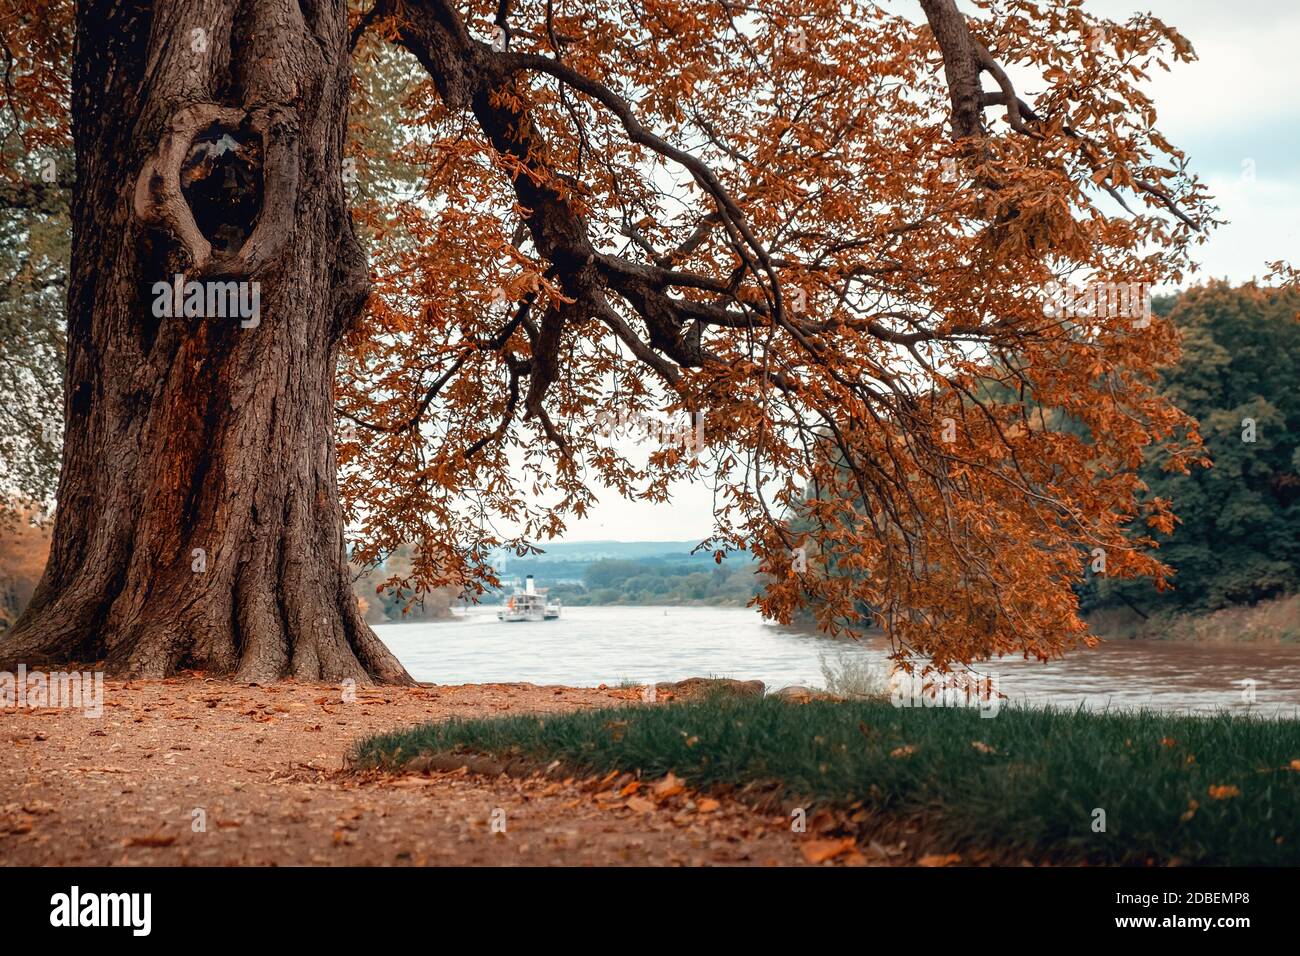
530, 604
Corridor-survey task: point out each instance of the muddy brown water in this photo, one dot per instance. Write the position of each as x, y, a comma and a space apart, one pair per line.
589, 646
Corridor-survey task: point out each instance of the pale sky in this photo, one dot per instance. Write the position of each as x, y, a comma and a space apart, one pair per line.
1235, 111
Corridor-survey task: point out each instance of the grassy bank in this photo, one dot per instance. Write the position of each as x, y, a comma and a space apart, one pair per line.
1219, 790
1276, 621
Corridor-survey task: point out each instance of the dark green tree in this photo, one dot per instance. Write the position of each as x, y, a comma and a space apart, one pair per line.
1238, 540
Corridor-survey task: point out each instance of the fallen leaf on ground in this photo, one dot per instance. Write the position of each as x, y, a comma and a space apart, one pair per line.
640, 804
1224, 792
939, 859
819, 851
669, 786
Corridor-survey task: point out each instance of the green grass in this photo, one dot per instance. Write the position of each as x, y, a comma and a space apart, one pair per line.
1033, 796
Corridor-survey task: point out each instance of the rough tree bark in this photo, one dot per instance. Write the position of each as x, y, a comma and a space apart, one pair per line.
199, 522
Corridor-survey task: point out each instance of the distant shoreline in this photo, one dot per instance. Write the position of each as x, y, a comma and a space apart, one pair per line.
459, 610
1269, 622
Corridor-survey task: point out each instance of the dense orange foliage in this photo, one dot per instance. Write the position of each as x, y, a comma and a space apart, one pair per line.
859, 280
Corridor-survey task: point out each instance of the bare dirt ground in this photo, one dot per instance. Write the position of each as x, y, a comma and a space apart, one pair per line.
193, 771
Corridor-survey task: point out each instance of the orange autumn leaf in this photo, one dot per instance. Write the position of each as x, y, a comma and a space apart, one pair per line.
819, 851
1224, 792
669, 786
948, 859
640, 804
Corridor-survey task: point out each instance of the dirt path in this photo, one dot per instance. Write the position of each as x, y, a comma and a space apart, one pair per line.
261, 769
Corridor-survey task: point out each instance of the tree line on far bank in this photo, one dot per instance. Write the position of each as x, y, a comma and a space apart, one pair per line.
1238, 537
663, 581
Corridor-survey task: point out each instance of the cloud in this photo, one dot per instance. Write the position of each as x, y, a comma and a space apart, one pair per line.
1264, 225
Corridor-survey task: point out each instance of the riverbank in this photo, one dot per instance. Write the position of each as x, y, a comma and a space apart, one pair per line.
1269, 622
1047, 786
194, 771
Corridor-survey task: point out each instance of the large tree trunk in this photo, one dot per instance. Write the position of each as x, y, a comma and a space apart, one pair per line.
198, 522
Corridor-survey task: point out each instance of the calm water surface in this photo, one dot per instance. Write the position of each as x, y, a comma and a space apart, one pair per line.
607, 645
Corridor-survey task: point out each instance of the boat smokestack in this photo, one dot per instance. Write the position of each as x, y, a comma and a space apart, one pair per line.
528, 585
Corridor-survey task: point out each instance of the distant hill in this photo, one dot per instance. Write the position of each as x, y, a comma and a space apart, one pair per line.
588, 551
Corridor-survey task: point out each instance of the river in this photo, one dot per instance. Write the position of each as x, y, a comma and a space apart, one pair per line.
610, 645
